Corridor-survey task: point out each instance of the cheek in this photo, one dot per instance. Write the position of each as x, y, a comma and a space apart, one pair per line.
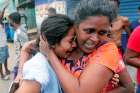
83, 37
67, 47
63, 49
59, 52
79, 36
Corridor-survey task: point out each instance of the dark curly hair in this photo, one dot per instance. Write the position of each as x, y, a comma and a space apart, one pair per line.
88, 8
56, 27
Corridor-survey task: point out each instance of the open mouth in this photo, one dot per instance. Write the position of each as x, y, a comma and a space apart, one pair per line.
68, 52
90, 46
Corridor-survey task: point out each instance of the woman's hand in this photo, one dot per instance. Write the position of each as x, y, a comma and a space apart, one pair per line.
44, 46
19, 78
115, 80
29, 46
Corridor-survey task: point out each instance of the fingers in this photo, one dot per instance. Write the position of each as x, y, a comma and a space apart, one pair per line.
29, 45
43, 43
116, 76
115, 80
18, 79
44, 46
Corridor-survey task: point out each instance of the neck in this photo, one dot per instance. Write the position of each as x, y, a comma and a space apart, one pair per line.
75, 55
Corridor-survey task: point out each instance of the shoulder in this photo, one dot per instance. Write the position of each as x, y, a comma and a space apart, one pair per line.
39, 70
106, 55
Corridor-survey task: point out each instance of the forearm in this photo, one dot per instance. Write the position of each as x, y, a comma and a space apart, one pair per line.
119, 90
29, 86
2, 14
24, 56
131, 57
125, 84
135, 62
122, 89
26, 52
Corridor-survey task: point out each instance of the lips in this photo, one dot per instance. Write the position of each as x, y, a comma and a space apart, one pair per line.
90, 46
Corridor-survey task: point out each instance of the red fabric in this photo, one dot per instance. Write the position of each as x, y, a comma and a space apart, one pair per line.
134, 44
138, 76
134, 40
101, 56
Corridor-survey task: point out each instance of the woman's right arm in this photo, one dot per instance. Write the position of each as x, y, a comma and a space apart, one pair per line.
29, 86
25, 54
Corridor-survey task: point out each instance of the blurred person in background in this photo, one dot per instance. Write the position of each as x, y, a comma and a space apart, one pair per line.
4, 54
20, 37
51, 11
120, 30
136, 22
132, 54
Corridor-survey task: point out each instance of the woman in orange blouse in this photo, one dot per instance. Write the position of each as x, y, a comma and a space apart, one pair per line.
96, 60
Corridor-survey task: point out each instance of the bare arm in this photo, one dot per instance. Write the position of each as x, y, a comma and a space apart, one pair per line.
132, 58
2, 13
126, 83
93, 75
28, 86
25, 54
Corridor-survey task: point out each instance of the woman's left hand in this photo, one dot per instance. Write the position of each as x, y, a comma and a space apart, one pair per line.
44, 46
115, 80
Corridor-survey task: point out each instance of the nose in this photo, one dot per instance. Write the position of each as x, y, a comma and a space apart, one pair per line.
94, 37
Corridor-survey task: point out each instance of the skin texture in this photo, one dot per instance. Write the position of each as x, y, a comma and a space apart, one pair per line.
28, 86
89, 32
132, 58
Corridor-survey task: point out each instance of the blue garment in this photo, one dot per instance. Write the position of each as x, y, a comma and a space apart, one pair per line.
15, 71
138, 89
11, 33
4, 54
134, 24
124, 38
38, 69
